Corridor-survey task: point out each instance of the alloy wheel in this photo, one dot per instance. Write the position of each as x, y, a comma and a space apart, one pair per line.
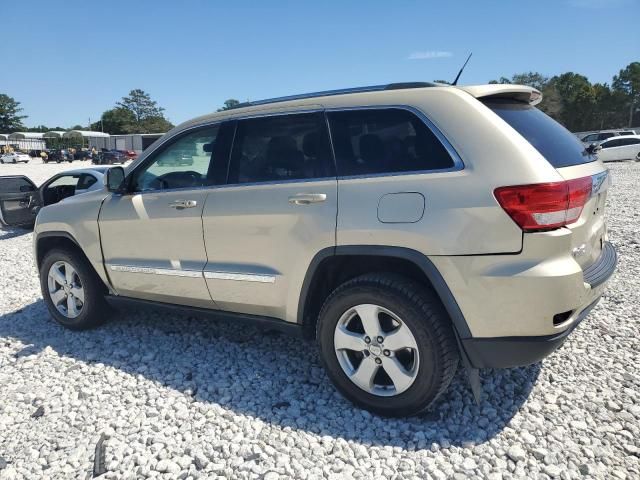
376, 350
65, 289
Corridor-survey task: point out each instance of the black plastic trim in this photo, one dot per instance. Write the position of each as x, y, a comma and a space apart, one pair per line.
417, 258
508, 352
600, 270
266, 323
53, 233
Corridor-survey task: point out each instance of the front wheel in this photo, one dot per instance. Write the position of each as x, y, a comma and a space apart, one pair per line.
387, 344
71, 290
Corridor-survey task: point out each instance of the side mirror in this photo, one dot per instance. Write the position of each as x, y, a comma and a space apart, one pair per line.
115, 179
593, 148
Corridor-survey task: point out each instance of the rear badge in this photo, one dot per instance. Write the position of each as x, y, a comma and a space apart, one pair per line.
597, 181
579, 251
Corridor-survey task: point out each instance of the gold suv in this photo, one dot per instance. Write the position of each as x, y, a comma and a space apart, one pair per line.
406, 227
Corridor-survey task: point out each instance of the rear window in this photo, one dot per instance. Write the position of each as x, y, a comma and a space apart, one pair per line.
559, 146
381, 141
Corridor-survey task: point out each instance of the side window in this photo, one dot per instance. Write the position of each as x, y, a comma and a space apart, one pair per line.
371, 141
85, 181
65, 180
613, 143
604, 136
590, 138
630, 141
184, 163
280, 148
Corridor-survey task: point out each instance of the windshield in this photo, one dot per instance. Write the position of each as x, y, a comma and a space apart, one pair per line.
559, 146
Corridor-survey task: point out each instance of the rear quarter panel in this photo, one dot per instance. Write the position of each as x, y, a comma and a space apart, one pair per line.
462, 216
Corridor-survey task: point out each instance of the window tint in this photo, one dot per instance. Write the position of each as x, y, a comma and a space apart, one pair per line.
559, 146
85, 181
69, 180
626, 133
590, 138
388, 140
280, 148
618, 142
604, 136
630, 141
183, 163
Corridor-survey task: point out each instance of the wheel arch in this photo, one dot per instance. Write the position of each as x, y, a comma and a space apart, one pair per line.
335, 265
46, 241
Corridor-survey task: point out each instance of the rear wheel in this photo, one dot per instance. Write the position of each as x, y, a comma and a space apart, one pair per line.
71, 290
387, 344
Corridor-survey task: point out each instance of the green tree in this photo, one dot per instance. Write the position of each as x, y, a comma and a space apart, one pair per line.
628, 82
10, 118
140, 104
154, 125
229, 105
116, 121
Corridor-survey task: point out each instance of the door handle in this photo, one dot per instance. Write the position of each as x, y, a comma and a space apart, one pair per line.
182, 204
307, 198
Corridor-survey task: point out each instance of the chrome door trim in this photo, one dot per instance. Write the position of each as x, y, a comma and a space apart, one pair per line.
156, 271
242, 277
212, 275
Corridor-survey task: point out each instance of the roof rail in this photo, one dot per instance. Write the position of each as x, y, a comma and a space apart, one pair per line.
342, 91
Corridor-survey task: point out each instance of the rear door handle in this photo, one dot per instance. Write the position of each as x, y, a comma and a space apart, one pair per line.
182, 204
307, 198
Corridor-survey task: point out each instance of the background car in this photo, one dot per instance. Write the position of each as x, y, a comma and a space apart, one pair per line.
56, 155
15, 157
596, 137
620, 148
131, 155
18, 191
110, 157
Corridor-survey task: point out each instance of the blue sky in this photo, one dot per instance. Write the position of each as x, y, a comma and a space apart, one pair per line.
72, 60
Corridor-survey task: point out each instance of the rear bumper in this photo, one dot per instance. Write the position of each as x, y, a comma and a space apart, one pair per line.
507, 352
516, 351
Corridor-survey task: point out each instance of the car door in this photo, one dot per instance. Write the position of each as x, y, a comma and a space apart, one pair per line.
630, 149
152, 235
277, 211
611, 150
19, 200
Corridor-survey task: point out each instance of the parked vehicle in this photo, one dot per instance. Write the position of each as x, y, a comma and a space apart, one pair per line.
131, 155
15, 157
597, 137
56, 155
109, 157
82, 155
35, 153
21, 199
619, 148
404, 227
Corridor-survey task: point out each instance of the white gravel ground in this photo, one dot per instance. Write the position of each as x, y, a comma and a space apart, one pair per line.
178, 397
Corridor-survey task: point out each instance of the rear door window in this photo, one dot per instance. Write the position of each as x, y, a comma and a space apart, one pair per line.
559, 146
281, 148
618, 142
390, 140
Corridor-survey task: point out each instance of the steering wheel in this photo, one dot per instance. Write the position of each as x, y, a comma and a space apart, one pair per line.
185, 179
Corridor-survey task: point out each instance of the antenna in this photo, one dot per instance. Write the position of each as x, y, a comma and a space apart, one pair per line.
455, 82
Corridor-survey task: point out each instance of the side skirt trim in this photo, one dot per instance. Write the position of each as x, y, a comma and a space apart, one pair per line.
265, 323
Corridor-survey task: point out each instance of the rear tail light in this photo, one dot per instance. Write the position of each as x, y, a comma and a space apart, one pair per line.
545, 206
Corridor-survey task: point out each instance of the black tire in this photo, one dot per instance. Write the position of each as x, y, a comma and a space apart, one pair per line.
95, 309
421, 310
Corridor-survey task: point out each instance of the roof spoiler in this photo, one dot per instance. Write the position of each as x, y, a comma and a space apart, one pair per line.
520, 93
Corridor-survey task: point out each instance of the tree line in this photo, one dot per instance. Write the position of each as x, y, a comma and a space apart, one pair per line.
135, 113
569, 98
580, 105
